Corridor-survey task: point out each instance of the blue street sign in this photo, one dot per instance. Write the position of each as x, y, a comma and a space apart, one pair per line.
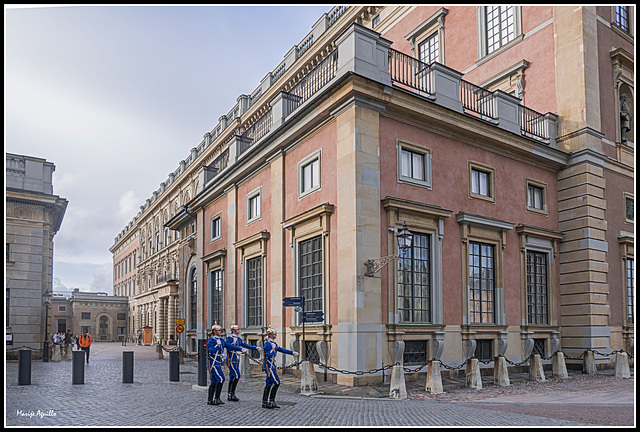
312, 316
293, 301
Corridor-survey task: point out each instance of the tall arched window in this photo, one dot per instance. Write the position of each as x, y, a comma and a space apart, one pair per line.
193, 298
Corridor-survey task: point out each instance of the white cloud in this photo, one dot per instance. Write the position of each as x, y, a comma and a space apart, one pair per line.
102, 277
128, 206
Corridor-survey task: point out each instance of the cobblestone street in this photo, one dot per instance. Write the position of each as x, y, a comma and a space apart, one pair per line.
152, 400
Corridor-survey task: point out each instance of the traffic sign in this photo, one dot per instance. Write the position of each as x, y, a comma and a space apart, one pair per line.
313, 316
293, 301
179, 328
179, 321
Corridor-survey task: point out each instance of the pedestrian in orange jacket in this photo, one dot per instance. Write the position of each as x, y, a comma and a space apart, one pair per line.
84, 342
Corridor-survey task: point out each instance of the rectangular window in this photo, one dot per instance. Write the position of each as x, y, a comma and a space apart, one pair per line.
484, 349
631, 289
415, 352
253, 206
414, 165
62, 308
414, 281
537, 294
535, 197
311, 352
480, 182
310, 267
622, 17
121, 316
429, 50
216, 231
86, 315
216, 296
310, 175
500, 25
375, 21
481, 283
254, 291
629, 210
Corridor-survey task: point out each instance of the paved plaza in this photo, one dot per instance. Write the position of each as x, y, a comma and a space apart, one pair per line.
152, 400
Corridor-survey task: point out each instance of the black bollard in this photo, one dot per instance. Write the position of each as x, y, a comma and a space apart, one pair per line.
127, 366
174, 366
202, 362
24, 367
78, 367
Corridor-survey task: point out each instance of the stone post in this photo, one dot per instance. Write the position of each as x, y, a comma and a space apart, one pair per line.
536, 371
589, 363
245, 367
622, 365
472, 373
398, 388
308, 381
500, 372
434, 378
159, 350
364, 52
446, 86
68, 355
56, 354
559, 366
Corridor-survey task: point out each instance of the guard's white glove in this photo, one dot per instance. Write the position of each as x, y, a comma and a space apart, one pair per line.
244, 351
296, 353
259, 349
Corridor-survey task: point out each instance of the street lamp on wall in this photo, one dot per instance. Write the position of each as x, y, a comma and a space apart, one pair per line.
45, 343
405, 238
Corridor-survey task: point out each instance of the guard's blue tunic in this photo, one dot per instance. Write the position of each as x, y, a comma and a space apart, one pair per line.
233, 359
271, 350
216, 346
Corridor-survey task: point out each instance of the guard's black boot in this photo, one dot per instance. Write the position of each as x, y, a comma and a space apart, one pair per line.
272, 396
265, 395
210, 398
229, 390
217, 400
232, 396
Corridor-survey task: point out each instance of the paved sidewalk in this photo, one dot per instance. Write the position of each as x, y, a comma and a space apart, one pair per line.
51, 400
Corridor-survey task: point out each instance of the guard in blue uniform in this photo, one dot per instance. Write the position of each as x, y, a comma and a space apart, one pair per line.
233, 360
216, 346
271, 350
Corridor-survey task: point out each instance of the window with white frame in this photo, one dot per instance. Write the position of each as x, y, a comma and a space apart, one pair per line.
414, 164
536, 196
481, 181
254, 205
481, 283
216, 231
498, 27
429, 49
309, 174
500, 21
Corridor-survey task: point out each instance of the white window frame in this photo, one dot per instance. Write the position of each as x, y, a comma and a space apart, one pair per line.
491, 175
414, 149
218, 235
482, 32
531, 183
256, 193
309, 160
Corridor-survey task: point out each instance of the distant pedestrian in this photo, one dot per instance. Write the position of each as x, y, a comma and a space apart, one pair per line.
85, 343
233, 360
139, 338
271, 350
216, 346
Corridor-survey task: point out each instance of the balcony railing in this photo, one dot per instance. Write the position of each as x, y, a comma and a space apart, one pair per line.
477, 101
309, 85
533, 124
410, 72
257, 130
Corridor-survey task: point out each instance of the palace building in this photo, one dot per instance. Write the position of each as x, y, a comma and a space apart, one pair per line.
501, 137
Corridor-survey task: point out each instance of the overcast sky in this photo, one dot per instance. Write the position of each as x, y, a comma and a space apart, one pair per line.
116, 96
